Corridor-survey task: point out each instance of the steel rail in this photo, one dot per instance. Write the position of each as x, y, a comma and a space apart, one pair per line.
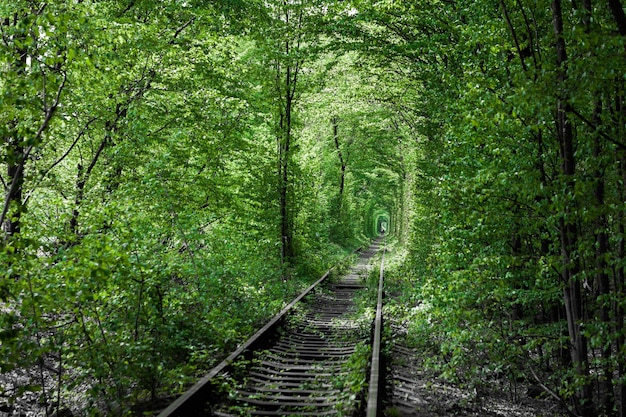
187, 404
373, 398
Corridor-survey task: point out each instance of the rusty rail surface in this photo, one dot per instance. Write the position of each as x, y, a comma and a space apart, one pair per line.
376, 379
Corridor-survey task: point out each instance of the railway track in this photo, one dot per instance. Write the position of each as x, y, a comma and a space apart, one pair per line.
311, 359
315, 356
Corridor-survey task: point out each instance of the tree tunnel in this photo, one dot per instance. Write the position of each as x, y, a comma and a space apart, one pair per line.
382, 223
379, 221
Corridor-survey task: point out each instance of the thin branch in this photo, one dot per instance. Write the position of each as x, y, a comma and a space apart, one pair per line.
61, 158
514, 34
43, 91
130, 6
550, 392
594, 126
41, 9
162, 128
174, 214
183, 27
531, 37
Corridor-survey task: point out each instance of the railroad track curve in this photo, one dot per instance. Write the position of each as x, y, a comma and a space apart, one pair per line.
299, 366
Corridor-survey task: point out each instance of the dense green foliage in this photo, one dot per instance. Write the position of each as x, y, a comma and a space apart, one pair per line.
166, 188
517, 188
174, 171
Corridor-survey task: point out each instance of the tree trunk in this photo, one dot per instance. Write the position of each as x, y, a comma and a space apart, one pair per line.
617, 10
572, 293
16, 159
284, 142
606, 400
618, 14
620, 288
15, 174
342, 177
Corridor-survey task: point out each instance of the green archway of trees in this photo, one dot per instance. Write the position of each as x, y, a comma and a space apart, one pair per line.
376, 220
382, 222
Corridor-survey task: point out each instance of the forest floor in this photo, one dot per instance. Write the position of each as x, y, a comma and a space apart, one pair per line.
414, 390
33, 392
